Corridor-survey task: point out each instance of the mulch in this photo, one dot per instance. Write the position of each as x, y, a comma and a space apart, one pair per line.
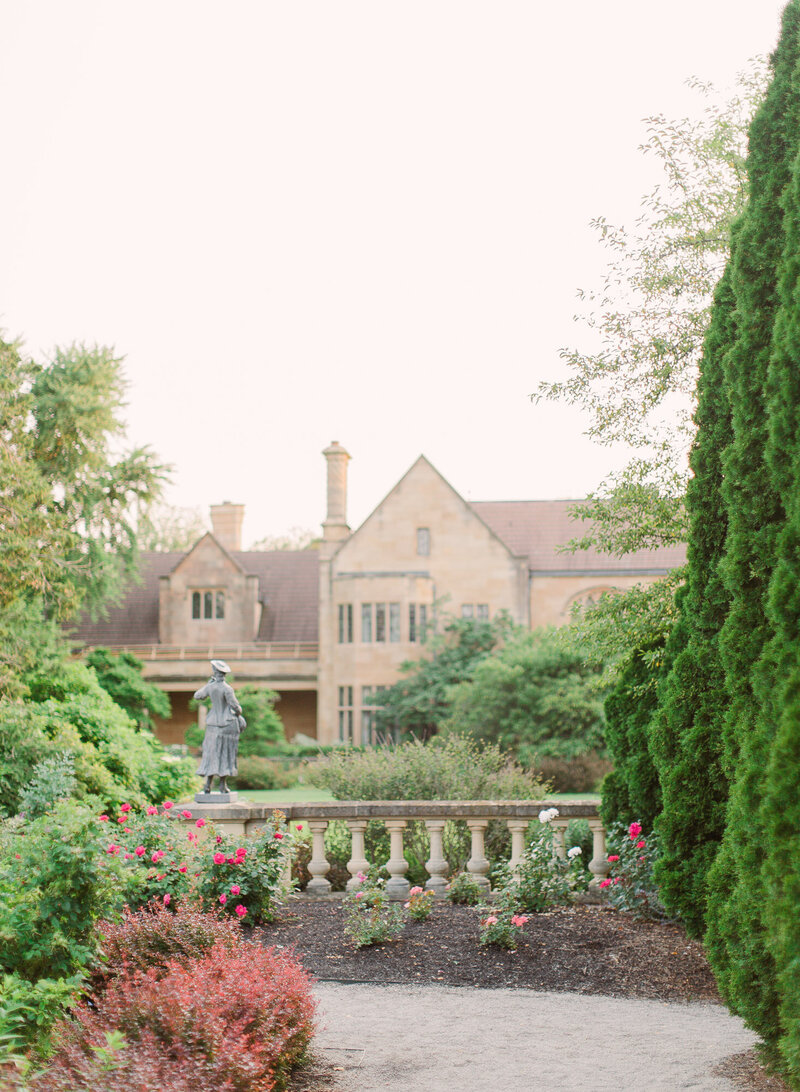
590, 949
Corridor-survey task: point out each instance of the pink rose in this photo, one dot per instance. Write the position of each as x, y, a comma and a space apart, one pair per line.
223, 899
605, 883
112, 848
240, 910
151, 810
167, 805
415, 891
299, 826
167, 899
641, 845
182, 868
219, 858
103, 818
614, 857
519, 919
235, 889
277, 835
156, 857
360, 895
218, 839
140, 851
634, 830
241, 852
186, 814
125, 807
128, 856
122, 819
491, 920
200, 823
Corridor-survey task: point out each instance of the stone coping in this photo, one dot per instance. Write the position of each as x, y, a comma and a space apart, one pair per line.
394, 809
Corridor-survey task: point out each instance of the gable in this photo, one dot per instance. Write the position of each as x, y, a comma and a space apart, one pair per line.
206, 562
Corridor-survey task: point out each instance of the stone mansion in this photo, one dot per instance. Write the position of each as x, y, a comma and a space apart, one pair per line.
327, 628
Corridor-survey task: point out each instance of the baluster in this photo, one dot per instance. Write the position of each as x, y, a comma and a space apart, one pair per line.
358, 861
477, 865
518, 827
318, 865
599, 865
559, 837
436, 864
397, 886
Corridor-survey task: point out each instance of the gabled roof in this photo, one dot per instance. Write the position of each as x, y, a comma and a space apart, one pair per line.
537, 528
287, 583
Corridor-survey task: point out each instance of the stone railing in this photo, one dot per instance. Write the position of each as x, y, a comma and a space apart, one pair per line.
255, 650
244, 818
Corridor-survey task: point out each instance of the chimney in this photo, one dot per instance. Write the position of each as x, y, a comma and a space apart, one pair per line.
226, 519
335, 528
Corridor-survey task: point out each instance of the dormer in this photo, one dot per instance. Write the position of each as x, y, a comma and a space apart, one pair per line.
208, 599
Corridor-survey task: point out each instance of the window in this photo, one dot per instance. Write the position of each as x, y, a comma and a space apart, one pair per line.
467, 610
371, 701
345, 714
366, 622
423, 541
208, 604
380, 621
483, 612
412, 622
423, 623
394, 622
345, 623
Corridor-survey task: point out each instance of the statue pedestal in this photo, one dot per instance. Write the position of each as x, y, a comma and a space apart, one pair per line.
216, 797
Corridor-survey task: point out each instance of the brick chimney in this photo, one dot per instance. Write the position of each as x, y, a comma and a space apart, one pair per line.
335, 526
226, 520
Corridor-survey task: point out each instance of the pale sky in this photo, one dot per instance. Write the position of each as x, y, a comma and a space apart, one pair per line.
362, 221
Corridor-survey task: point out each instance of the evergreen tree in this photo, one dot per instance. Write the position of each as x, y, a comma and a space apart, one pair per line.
631, 791
736, 939
685, 735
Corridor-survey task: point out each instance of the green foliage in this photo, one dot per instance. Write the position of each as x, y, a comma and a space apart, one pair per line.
52, 780
420, 702
68, 712
28, 1011
262, 773
420, 904
56, 882
542, 879
120, 675
370, 917
536, 695
686, 733
737, 943
502, 923
632, 790
464, 890
447, 768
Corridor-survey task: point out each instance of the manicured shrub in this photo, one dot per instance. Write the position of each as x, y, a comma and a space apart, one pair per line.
464, 890
237, 1019
256, 772
157, 935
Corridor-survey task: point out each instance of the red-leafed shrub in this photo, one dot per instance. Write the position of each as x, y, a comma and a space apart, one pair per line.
236, 1020
155, 935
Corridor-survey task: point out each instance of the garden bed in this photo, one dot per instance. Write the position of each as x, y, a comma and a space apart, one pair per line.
582, 949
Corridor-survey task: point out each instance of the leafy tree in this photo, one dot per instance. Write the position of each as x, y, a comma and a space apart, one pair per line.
120, 675
165, 528
421, 701
536, 695
648, 319
296, 538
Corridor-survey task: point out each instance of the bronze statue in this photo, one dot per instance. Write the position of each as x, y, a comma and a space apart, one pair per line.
223, 725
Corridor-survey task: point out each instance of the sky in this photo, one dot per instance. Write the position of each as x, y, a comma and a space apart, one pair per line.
333, 220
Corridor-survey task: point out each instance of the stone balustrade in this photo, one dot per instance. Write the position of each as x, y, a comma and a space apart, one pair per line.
244, 818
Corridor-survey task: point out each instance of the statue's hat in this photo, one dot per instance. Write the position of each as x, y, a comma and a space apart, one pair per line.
220, 665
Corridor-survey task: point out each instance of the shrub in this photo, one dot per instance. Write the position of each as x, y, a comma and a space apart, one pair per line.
502, 922
464, 889
248, 880
255, 772
370, 918
420, 903
56, 882
237, 1019
631, 886
584, 773
542, 879
52, 779
156, 936
29, 1009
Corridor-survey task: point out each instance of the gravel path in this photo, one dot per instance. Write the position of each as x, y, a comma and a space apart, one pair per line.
436, 1038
